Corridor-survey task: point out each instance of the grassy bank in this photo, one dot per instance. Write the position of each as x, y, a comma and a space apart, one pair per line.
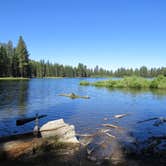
51, 77
12, 78
84, 83
131, 82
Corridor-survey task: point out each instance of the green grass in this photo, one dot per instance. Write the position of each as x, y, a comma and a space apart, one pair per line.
12, 78
52, 77
131, 82
85, 83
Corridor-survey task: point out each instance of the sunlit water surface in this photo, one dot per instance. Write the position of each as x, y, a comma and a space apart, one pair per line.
20, 99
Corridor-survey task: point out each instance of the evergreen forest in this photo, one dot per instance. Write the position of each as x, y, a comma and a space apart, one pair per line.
15, 62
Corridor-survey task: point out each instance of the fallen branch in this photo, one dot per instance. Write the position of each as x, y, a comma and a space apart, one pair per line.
85, 135
111, 125
110, 135
146, 120
120, 115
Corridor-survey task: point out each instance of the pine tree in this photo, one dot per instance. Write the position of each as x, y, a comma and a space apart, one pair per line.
23, 55
10, 54
15, 64
3, 61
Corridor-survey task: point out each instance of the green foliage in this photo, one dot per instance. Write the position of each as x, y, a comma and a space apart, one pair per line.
23, 56
3, 62
159, 82
132, 82
100, 83
85, 83
127, 82
154, 84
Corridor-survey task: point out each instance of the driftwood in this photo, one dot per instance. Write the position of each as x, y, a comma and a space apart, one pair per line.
22, 121
23, 136
111, 125
74, 96
85, 135
146, 120
158, 121
110, 135
120, 115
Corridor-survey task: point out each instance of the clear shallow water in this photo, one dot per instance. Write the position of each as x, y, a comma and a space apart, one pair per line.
20, 99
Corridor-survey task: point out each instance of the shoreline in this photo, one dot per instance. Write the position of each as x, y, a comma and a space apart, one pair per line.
13, 78
22, 78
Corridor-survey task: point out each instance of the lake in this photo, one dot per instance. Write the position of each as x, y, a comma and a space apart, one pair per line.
20, 99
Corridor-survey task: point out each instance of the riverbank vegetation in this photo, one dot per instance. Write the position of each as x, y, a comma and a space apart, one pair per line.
131, 82
15, 62
12, 78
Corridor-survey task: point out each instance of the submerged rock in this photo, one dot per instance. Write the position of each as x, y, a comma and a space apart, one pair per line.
104, 146
63, 131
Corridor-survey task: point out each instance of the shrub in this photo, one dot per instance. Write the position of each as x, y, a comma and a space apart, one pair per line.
154, 84
132, 82
84, 83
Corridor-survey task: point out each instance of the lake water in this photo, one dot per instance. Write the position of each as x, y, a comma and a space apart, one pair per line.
19, 99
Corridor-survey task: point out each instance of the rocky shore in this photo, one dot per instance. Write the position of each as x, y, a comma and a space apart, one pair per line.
60, 145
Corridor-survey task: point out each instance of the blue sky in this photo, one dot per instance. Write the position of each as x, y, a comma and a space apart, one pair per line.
110, 33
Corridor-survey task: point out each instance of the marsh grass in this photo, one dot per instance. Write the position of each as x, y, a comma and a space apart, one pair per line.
131, 82
84, 83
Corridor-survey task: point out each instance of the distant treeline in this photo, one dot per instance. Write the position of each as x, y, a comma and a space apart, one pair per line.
15, 62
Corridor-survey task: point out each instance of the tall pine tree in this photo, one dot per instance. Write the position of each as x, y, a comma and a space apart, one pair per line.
3, 62
21, 51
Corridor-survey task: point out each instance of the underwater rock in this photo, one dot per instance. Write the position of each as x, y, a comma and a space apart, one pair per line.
103, 147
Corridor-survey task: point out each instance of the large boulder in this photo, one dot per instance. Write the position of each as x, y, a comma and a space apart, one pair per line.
60, 129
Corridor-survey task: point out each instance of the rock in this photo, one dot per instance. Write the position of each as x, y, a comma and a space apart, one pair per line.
53, 124
103, 147
64, 132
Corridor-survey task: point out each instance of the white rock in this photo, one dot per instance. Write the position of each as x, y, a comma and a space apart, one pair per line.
64, 132
53, 125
